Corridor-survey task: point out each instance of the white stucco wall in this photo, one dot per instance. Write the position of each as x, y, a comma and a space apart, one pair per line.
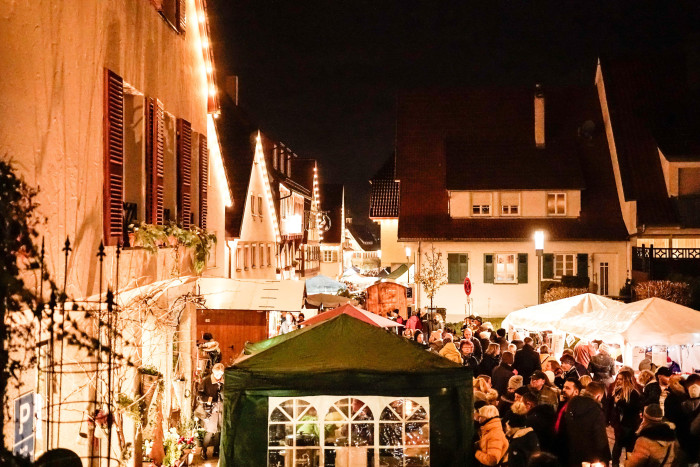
51, 104
497, 300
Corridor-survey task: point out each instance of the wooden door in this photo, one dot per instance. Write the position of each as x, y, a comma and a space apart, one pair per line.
232, 329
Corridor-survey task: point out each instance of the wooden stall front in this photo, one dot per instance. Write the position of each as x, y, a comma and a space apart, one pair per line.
383, 297
232, 329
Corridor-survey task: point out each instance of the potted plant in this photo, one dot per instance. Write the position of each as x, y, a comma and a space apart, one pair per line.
149, 378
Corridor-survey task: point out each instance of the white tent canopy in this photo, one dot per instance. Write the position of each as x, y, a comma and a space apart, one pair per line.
653, 321
545, 317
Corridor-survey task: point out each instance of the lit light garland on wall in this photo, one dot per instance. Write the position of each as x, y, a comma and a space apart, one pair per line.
217, 163
316, 205
204, 43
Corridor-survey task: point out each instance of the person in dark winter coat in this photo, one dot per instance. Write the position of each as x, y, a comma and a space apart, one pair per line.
602, 366
490, 361
689, 442
478, 352
501, 340
656, 444
522, 439
502, 373
582, 436
527, 361
568, 366
652, 390
466, 350
542, 418
625, 414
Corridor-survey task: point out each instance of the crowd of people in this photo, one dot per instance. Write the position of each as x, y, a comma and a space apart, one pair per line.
531, 408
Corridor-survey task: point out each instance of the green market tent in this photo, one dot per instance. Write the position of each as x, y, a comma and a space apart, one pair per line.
344, 357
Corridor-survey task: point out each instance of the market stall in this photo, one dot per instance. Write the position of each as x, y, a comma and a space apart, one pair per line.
323, 284
643, 324
345, 393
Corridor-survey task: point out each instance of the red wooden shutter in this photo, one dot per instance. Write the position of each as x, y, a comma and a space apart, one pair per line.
184, 171
154, 161
181, 15
203, 180
113, 199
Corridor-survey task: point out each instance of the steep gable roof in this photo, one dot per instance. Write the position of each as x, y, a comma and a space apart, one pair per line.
332, 203
501, 121
384, 194
236, 135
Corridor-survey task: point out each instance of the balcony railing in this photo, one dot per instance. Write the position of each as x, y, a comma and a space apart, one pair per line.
645, 258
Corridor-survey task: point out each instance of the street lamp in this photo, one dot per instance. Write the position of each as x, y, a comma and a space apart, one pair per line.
408, 261
539, 250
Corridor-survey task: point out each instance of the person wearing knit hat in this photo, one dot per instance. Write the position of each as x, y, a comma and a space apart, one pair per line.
493, 445
656, 442
515, 382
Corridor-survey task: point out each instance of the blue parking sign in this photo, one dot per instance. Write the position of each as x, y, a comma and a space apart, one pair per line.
24, 426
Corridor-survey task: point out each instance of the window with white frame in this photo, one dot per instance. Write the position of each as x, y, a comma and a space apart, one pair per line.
349, 431
556, 204
481, 204
262, 255
564, 264
253, 255
330, 256
505, 268
246, 261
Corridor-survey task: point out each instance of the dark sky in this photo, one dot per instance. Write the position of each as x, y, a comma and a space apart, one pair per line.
322, 75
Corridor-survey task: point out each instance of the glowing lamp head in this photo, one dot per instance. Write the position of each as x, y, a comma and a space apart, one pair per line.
539, 240
408, 252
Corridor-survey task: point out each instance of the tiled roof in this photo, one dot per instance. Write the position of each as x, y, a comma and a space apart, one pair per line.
384, 195
363, 237
428, 120
332, 203
511, 165
635, 90
236, 136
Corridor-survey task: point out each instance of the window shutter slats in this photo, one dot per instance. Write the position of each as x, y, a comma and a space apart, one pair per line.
203, 181
582, 265
463, 266
113, 196
452, 268
184, 171
488, 268
548, 266
154, 161
522, 268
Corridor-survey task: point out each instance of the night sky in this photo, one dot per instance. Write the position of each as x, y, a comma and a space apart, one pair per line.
322, 75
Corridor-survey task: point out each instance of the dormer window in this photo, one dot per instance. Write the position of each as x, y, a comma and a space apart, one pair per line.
481, 204
481, 209
510, 204
556, 204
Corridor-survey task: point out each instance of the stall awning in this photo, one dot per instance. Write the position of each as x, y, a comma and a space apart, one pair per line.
398, 272
323, 284
252, 294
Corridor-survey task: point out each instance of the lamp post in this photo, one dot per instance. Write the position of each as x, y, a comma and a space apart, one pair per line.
539, 250
408, 261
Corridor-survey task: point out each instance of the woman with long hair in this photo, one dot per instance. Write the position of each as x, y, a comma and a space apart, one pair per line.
625, 414
491, 360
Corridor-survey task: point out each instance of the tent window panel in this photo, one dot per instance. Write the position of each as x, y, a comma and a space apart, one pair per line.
349, 431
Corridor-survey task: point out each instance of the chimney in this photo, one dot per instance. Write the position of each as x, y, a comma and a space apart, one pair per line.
231, 87
539, 116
